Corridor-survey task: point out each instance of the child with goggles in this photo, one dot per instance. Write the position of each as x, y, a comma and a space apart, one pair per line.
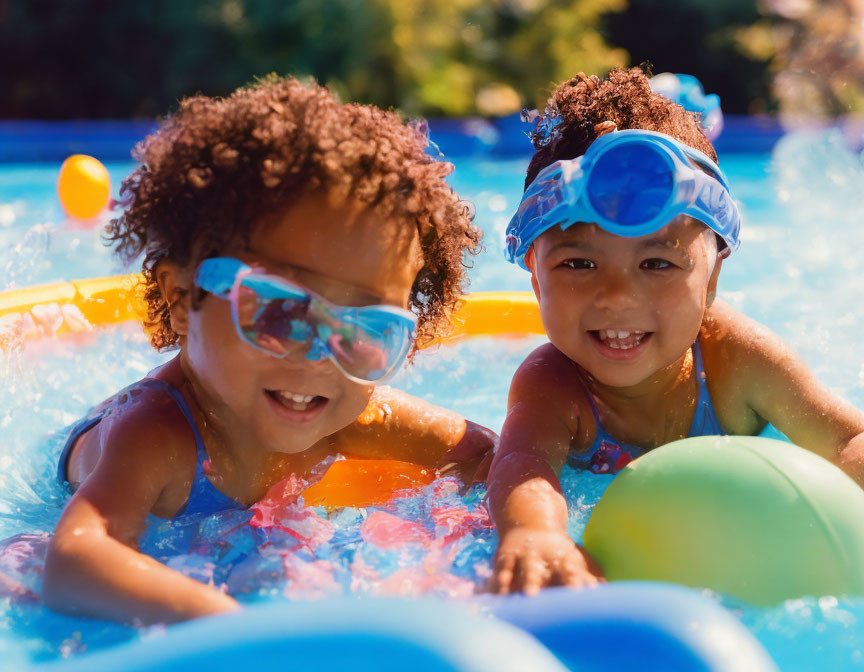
624, 225
291, 258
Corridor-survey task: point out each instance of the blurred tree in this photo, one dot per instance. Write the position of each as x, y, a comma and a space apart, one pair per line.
466, 56
817, 55
698, 38
97, 58
102, 59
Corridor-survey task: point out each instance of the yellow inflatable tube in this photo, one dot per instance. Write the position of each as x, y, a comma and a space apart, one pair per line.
80, 305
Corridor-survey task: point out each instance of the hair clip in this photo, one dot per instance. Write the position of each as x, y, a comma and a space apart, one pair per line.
470, 210
604, 127
421, 128
545, 127
590, 82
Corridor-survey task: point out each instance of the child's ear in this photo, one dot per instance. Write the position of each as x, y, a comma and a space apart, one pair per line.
529, 262
712, 282
175, 284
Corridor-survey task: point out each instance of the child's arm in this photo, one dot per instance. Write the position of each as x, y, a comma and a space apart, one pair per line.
399, 426
93, 566
525, 495
763, 380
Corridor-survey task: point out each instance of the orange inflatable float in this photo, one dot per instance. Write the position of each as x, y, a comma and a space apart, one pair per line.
356, 482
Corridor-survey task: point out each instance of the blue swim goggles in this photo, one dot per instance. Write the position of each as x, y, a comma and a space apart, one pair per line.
272, 314
630, 183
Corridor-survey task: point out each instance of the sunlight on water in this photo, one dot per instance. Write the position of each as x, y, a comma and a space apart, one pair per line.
798, 271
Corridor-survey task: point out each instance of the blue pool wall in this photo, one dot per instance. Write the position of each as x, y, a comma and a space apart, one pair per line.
28, 140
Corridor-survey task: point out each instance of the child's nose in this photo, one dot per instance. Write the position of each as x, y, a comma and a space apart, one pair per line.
619, 291
305, 355
295, 350
317, 350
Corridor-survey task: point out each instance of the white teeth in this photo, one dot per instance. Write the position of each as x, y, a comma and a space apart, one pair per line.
615, 333
296, 401
621, 339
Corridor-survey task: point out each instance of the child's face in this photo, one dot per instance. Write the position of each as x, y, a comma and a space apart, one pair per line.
349, 256
624, 308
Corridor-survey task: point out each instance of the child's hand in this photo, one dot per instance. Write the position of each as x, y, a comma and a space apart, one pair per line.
528, 560
470, 459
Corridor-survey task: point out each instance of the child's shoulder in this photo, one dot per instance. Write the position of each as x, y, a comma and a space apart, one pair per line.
728, 335
740, 358
146, 446
548, 379
546, 367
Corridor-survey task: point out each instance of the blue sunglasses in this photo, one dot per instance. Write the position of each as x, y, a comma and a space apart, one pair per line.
630, 183
270, 313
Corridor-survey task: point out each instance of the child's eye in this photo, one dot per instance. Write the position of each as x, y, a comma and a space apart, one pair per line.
579, 264
656, 265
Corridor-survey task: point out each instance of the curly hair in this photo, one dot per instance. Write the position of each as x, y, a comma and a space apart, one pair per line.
216, 167
624, 98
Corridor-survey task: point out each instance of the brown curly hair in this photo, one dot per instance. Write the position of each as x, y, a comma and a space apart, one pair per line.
624, 98
217, 166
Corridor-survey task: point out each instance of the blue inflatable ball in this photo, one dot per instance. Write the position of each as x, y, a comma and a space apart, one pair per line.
636, 626
337, 635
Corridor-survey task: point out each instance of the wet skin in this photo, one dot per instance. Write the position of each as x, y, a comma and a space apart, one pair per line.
140, 459
622, 315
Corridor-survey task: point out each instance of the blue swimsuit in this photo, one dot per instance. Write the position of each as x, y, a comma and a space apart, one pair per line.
607, 455
204, 498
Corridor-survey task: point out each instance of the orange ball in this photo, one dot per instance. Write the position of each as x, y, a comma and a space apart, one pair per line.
84, 187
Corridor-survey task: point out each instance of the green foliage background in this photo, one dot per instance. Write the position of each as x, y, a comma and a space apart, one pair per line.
114, 59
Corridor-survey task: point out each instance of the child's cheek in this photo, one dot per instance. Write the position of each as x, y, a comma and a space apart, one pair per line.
354, 402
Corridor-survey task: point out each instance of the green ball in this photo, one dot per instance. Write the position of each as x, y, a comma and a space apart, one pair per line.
758, 519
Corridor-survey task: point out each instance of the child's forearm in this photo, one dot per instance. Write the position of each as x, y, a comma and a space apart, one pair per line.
524, 491
851, 459
397, 425
91, 573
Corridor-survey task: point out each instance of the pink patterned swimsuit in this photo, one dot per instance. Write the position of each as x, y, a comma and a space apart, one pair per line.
607, 455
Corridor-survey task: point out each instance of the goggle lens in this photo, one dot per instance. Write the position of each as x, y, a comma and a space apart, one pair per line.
366, 343
631, 185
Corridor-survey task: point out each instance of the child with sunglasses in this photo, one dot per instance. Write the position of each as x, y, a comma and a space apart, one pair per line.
294, 248
624, 225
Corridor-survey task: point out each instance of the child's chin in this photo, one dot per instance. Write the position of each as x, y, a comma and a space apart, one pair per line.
293, 449
625, 376
292, 441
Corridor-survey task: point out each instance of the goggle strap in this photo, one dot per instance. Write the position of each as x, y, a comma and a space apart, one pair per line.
217, 275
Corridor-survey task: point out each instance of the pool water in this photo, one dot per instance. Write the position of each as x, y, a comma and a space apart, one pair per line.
797, 271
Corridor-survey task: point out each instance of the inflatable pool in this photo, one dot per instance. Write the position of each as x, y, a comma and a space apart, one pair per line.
790, 275
422, 635
47, 311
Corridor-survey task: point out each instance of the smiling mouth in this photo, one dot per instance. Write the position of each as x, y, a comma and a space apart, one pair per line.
620, 339
299, 403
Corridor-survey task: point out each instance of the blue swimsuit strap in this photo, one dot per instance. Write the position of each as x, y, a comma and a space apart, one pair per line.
203, 495
705, 421
602, 435
174, 393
